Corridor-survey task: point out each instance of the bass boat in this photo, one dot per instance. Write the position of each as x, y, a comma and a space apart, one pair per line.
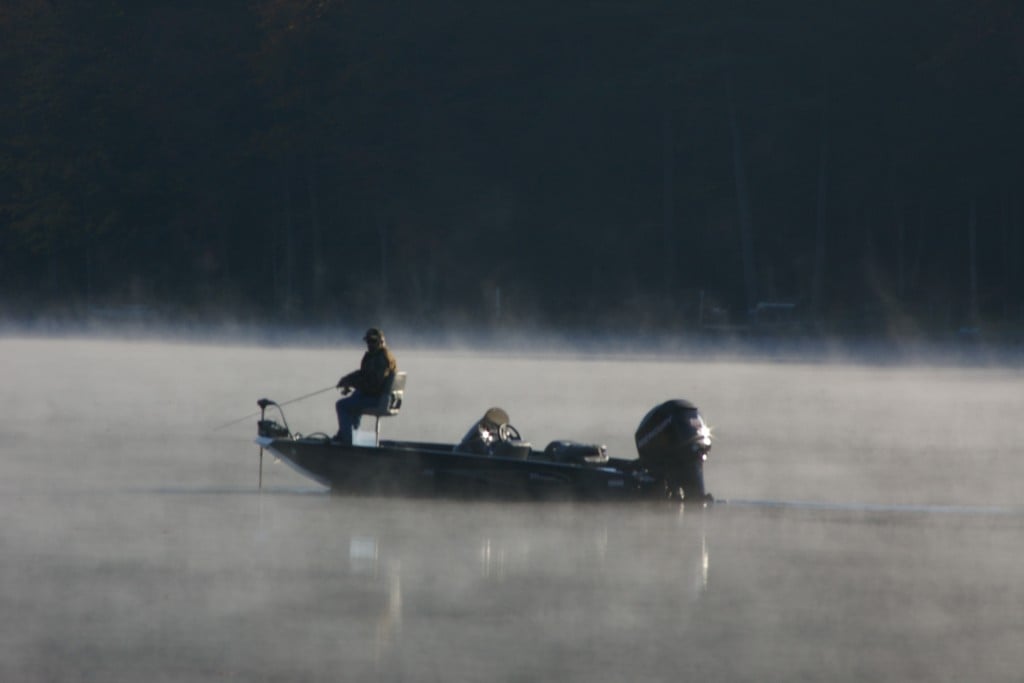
492, 460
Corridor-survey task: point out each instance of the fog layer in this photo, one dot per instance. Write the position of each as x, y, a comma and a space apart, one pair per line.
136, 545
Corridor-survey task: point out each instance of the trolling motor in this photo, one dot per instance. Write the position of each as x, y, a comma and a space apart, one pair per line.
269, 427
673, 443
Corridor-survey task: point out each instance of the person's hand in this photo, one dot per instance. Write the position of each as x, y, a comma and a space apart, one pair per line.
345, 390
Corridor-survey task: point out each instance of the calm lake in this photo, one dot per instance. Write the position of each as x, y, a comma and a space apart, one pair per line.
874, 527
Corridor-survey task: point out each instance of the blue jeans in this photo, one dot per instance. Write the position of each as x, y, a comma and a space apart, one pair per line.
349, 410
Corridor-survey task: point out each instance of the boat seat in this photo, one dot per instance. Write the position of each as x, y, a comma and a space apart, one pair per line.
390, 401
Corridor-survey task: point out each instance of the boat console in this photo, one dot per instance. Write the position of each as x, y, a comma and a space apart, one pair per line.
493, 435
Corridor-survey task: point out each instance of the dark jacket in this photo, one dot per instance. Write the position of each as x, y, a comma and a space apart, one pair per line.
373, 373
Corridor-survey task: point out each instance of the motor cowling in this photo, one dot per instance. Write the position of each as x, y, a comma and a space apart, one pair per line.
673, 442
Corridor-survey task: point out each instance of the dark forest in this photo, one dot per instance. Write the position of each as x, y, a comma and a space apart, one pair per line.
828, 166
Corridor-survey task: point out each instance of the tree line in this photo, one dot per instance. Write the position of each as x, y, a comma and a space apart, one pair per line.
854, 164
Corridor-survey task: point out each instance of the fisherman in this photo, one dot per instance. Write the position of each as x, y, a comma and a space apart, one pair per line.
362, 388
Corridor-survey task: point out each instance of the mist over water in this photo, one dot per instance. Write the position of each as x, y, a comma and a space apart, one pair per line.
136, 546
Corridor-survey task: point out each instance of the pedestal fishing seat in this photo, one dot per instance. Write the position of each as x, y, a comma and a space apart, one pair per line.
389, 404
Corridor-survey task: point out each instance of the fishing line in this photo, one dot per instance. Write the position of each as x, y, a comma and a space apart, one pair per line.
282, 403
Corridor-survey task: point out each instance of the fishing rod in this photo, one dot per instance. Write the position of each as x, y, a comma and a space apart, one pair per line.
282, 403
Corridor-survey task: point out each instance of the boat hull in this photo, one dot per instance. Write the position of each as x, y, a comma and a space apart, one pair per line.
430, 469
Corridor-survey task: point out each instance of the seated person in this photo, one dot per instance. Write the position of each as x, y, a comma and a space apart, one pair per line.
362, 388
493, 435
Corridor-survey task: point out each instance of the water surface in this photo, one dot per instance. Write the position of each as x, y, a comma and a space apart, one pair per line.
876, 528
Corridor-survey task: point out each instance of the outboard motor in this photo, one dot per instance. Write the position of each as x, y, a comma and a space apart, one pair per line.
673, 442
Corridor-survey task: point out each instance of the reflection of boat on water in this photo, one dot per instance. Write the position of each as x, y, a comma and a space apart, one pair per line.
519, 563
493, 460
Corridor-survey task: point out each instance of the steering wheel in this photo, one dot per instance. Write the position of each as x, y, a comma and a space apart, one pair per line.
507, 432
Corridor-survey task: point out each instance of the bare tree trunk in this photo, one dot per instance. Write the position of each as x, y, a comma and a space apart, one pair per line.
820, 227
1007, 250
289, 266
88, 275
743, 208
901, 231
820, 231
918, 248
315, 241
285, 288
1017, 250
972, 237
382, 289
668, 208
